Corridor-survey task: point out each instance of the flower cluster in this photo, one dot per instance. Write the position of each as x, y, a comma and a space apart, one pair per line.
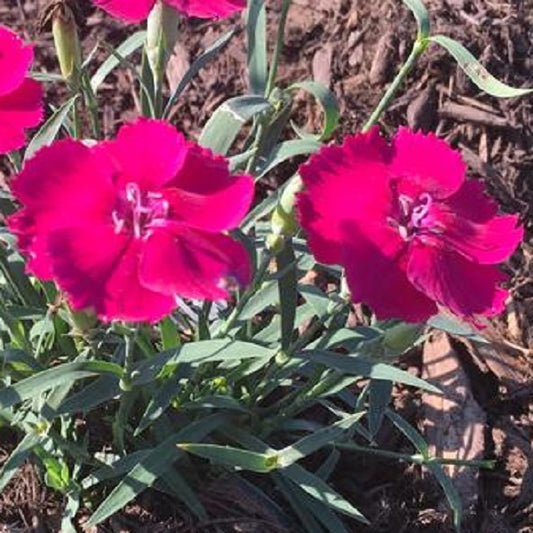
20, 97
137, 10
408, 228
126, 226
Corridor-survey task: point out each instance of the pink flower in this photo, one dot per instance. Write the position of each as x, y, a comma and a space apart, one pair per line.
411, 233
137, 10
20, 97
126, 226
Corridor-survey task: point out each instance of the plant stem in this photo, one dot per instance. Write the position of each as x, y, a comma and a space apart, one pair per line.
415, 458
119, 424
272, 75
418, 48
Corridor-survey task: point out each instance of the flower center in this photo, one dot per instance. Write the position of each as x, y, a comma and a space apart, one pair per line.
412, 215
139, 211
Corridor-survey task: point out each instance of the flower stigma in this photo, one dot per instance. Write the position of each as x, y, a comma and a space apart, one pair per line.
137, 212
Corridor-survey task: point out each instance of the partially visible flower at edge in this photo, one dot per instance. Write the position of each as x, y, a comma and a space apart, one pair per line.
127, 226
137, 10
20, 97
410, 231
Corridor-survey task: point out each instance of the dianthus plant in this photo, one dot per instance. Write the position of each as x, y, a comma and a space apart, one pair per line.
166, 318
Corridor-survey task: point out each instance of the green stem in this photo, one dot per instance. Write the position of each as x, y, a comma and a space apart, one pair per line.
91, 103
418, 48
202, 333
272, 75
119, 424
130, 339
415, 458
76, 119
256, 148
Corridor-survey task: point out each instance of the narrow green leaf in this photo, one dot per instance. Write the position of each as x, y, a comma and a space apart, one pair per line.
169, 334
224, 125
266, 296
323, 514
48, 379
49, 130
198, 64
316, 297
313, 442
422, 16
120, 467
288, 293
17, 458
380, 392
293, 495
234, 457
130, 45
19, 362
479, 75
159, 403
321, 491
256, 32
410, 432
287, 150
329, 105
151, 467
264, 208
211, 351
454, 326
16, 330
360, 366
216, 402
182, 490
100, 391
450, 491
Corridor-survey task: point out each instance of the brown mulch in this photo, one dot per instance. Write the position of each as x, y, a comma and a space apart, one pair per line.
354, 47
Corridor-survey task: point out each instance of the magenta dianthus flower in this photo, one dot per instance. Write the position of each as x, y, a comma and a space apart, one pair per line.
410, 231
137, 10
128, 225
20, 97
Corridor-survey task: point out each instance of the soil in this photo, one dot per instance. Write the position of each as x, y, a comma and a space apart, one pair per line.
354, 46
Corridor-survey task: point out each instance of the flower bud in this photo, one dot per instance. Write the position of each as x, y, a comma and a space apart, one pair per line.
162, 35
62, 15
283, 221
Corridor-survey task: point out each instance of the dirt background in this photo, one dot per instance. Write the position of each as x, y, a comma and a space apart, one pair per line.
354, 46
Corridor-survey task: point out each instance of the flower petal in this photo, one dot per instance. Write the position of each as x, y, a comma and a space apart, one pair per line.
65, 178
465, 288
105, 278
205, 195
148, 153
15, 60
208, 8
344, 183
375, 276
128, 10
424, 163
32, 243
467, 223
472, 202
19, 110
220, 211
193, 264
63, 185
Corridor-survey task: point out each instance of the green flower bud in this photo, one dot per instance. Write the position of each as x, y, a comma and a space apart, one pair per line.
63, 17
283, 222
162, 35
